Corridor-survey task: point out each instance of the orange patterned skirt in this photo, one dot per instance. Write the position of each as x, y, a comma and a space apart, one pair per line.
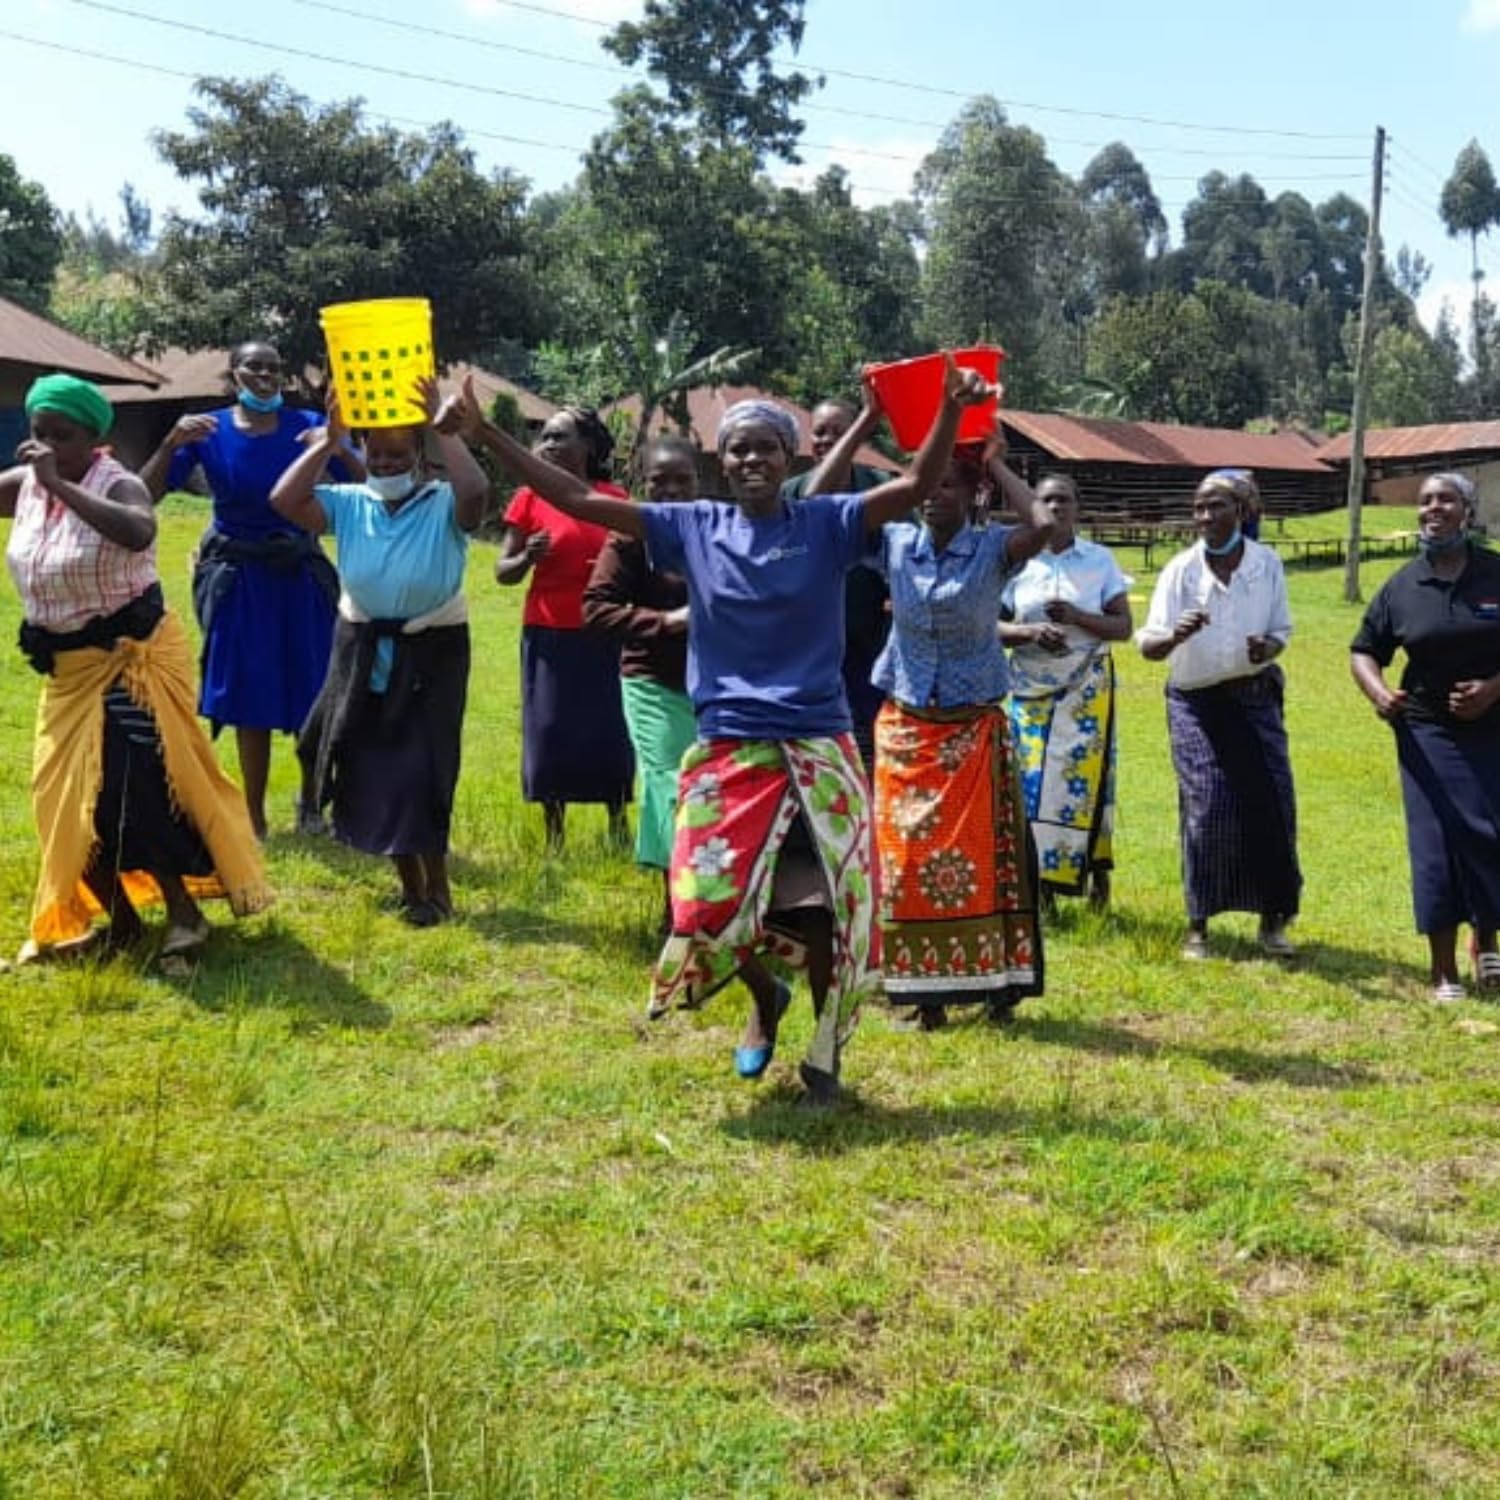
958, 884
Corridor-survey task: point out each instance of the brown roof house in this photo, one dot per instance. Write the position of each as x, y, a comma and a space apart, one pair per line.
1147, 471
194, 380
1398, 459
31, 345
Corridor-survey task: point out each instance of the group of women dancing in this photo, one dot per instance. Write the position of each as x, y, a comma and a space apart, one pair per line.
908, 837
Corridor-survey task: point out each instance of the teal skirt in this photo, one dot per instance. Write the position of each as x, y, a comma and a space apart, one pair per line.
662, 726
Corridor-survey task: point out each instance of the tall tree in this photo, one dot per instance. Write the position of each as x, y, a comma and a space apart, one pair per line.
1223, 229
306, 204
1291, 246
31, 240
1182, 357
716, 61
997, 208
1470, 204
1116, 175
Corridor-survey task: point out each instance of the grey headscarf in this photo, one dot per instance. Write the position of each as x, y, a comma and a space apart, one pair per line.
1460, 484
777, 418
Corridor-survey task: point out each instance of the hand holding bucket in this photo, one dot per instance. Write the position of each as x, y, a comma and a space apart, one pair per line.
378, 353
911, 390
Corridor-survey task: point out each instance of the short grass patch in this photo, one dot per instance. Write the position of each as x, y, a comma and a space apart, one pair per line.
357, 1211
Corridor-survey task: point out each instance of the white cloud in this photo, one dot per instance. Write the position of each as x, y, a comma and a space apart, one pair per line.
1482, 15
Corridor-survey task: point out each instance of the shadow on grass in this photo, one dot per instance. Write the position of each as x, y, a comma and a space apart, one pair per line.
271, 969
779, 1117
1369, 975
1298, 1069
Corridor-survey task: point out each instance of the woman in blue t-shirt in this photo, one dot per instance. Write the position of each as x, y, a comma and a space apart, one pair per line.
773, 856
264, 592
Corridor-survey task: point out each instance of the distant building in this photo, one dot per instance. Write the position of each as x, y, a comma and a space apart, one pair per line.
1146, 472
31, 345
1398, 459
706, 408
198, 380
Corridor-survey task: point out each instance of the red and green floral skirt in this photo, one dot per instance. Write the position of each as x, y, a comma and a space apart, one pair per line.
737, 801
958, 888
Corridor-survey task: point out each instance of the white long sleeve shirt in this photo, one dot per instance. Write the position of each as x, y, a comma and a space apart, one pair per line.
1253, 602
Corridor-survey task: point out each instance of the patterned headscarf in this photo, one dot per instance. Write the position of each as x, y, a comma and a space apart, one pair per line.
777, 418
1460, 484
1238, 483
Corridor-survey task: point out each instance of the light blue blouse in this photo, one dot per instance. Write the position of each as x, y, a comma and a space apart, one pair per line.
395, 566
944, 650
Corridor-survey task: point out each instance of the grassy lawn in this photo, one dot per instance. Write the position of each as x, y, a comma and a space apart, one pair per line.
358, 1211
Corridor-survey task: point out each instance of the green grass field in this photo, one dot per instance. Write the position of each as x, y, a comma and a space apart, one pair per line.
358, 1211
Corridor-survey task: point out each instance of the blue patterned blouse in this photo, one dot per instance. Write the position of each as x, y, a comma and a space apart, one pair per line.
944, 650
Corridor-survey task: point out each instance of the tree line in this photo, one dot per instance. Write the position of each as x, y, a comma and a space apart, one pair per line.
674, 255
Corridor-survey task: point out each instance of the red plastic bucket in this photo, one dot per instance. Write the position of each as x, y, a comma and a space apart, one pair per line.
911, 390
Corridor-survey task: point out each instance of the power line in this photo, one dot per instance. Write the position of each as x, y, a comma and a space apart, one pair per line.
408, 75
557, 13
618, 70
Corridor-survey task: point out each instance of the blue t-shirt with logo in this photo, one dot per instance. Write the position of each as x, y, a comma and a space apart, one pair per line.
766, 611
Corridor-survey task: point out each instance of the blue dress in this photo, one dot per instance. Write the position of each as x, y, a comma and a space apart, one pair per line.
267, 636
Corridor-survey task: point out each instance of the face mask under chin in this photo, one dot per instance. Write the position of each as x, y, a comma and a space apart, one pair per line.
392, 487
264, 405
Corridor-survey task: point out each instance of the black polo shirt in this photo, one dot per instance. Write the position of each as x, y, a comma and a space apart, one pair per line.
1449, 629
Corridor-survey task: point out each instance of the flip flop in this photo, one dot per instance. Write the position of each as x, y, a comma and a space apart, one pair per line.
181, 940
1487, 970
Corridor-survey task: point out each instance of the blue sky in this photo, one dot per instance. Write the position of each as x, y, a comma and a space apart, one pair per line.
1328, 69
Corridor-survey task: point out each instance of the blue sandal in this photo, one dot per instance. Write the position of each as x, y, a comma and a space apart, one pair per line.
751, 1062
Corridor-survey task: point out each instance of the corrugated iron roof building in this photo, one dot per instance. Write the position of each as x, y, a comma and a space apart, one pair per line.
1148, 471
31, 345
193, 380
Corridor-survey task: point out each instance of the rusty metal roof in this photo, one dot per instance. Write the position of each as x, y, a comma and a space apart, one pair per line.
706, 408
202, 375
1103, 440
27, 338
1418, 442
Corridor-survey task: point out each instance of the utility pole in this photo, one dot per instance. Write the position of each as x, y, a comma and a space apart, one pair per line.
1362, 374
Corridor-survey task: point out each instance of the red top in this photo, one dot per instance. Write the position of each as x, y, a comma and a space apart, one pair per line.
555, 595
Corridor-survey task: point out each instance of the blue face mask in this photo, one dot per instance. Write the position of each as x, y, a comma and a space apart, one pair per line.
265, 405
1436, 546
1228, 547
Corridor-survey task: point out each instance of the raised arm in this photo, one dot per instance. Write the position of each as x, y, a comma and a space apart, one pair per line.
188, 429
573, 496
294, 498
1036, 524
898, 497
123, 515
471, 485
831, 476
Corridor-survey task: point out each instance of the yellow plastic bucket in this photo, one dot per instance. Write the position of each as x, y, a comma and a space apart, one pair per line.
376, 352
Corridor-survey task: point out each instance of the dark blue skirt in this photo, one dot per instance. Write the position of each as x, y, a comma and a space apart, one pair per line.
1236, 804
1450, 784
575, 744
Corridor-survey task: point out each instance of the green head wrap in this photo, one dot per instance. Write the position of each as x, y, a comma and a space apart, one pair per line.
78, 400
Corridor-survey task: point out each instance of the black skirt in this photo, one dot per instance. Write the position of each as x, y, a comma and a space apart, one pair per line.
388, 762
575, 747
135, 821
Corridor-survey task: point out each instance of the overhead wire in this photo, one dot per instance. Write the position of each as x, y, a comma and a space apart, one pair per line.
556, 12
409, 75
808, 105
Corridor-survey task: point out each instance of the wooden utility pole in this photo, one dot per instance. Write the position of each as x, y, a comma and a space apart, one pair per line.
1362, 373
